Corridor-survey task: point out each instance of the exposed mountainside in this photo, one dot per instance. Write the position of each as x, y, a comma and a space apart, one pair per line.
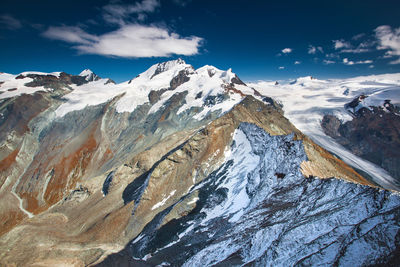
373, 133
177, 166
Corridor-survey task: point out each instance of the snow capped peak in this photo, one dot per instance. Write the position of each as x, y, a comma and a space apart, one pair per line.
207, 88
86, 72
174, 62
89, 75
226, 76
156, 69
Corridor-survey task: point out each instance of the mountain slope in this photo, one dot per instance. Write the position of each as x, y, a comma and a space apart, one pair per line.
140, 166
246, 213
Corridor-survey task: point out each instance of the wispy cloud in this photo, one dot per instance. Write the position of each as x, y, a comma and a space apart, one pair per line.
363, 47
181, 2
281, 68
9, 22
365, 61
358, 36
328, 62
389, 39
314, 49
122, 14
287, 50
332, 55
70, 34
346, 61
297, 62
339, 44
355, 50
129, 41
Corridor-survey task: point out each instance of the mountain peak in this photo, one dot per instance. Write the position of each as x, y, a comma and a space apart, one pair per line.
167, 65
89, 75
86, 72
156, 69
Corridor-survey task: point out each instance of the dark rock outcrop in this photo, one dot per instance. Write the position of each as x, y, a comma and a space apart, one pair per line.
182, 77
373, 133
52, 81
236, 80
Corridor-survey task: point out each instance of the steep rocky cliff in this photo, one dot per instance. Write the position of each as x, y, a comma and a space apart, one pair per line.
177, 166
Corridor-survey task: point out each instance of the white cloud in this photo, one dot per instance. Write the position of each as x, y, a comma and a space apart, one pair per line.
339, 44
281, 68
367, 44
364, 62
297, 62
389, 39
10, 22
328, 62
371, 66
358, 36
355, 51
346, 61
332, 55
388, 54
129, 41
121, 14
70, 35
361, 48
314, 49
287, 50
396, 61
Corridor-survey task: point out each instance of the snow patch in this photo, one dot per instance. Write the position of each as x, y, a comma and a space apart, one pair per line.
237, 198
162, 202
12, 87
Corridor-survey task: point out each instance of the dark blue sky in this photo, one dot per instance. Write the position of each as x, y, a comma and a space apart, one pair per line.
119, 39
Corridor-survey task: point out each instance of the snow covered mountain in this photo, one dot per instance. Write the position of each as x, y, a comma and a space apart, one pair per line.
89, 75
177, 166
308, 102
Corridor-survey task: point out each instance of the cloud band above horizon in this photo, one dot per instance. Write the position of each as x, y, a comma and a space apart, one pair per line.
129, 41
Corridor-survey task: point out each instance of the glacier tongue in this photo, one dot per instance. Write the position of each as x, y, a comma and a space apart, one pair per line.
258, 209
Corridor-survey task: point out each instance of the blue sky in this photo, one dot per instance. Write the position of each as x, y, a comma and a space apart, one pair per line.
257, 39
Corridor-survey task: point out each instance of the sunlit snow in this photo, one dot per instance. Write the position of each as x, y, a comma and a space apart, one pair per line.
306, 100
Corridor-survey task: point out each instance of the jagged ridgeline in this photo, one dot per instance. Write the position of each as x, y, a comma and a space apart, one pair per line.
175, 167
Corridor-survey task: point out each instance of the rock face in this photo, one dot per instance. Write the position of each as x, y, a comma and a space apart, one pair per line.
246, 214
177, 166
373, 133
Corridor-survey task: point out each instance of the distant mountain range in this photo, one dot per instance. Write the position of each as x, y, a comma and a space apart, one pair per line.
193, 167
